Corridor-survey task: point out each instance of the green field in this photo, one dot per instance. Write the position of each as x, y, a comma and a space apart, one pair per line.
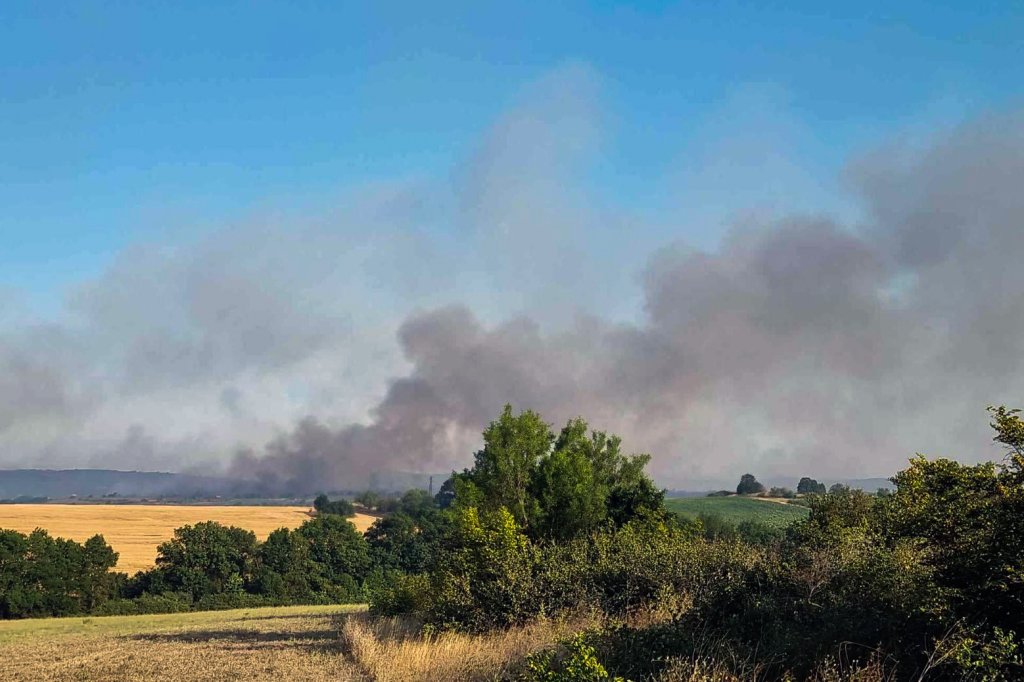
738, 509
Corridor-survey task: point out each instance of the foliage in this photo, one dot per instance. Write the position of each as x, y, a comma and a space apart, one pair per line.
324, 505
809, 486
391, 593
484, 576
749, 485
986, 657
203, 559
556, 488
577, 663
971, 520
45, 576
338, 552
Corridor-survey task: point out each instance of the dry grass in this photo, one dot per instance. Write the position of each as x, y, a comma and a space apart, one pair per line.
289, 643
135, 530
394, 650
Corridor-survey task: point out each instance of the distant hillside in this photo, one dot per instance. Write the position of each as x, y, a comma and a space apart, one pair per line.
64, 483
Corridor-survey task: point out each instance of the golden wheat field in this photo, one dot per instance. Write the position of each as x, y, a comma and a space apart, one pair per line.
135, 530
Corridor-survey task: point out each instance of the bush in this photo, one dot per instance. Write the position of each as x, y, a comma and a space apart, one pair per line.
395, 593
484, 576
576, 661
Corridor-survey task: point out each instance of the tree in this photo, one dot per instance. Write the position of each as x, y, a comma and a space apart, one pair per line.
369, 499
205, 559
503, 469
401, 542
484, 577
417, 503
446, 495
324, 505
285, 570
971, 517
749, 485
337, 547
809, 486
45, 576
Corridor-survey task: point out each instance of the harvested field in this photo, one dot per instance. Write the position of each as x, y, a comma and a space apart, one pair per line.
135, 530
286, 643
336, 643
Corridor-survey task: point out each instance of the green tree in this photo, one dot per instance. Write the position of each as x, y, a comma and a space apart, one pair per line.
503, 470
809, 486
324, 505
369, 499
284, 568
205, 559
971, 517
749, 485
338, 549
572, 484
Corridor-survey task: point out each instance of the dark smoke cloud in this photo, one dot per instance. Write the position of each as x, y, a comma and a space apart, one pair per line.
799, 345
803, 344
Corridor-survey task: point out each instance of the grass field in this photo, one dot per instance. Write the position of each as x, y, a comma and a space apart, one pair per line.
286, 643
307, 643
738, 509
135, 530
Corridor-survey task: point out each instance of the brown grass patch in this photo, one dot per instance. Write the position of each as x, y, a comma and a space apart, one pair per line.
396, 650
135, 530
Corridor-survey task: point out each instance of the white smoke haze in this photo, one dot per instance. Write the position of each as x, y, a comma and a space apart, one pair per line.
310, 349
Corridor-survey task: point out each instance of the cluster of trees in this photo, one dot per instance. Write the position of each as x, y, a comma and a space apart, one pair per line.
927, 581
809, 486
325, 505
45, 576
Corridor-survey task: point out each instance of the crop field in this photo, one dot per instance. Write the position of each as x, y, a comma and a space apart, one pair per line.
738, 509
284, 643
135, 530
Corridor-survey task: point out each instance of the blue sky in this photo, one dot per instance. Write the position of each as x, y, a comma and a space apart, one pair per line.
118, 123
217, 220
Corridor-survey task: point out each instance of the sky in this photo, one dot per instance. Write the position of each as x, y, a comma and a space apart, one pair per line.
222, 222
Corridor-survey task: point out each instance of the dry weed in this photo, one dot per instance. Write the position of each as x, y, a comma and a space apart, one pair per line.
397, 650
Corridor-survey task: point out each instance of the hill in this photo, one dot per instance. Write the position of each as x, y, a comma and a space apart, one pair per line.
65, 483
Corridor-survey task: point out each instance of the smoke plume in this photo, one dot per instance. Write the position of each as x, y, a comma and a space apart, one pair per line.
832, 343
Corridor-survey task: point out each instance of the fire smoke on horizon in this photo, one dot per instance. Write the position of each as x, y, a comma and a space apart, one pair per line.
821, 344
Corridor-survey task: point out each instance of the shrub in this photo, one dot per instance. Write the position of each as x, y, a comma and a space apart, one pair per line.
575, 662
484, 575
395, 593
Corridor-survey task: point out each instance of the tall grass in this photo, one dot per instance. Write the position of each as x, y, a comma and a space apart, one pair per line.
398, 650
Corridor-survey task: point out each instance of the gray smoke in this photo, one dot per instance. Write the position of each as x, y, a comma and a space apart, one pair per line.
808, 344
800, 345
